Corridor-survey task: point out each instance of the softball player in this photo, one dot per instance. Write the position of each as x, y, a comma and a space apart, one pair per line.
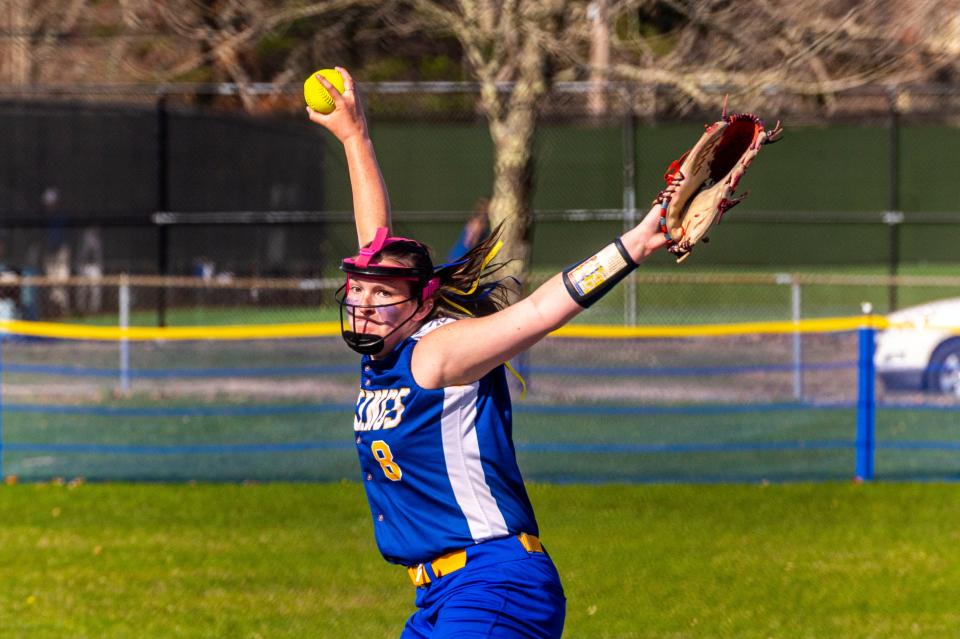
432, 423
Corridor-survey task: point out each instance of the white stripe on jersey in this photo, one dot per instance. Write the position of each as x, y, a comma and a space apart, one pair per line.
461, 451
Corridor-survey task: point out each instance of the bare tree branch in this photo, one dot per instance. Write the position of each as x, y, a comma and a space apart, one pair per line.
801, 46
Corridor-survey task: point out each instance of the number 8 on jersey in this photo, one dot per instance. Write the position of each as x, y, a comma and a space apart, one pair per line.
381, 451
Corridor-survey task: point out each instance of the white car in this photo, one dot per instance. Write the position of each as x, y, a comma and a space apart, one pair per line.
921, 349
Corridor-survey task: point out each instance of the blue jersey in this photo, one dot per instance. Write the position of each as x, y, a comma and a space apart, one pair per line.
439, 466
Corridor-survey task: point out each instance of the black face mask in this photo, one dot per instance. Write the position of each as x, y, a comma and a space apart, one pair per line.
365, 343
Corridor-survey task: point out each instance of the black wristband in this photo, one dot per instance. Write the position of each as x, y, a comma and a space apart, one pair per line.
590, 279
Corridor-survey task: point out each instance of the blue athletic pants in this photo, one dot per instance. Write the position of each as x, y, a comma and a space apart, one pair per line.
503, 592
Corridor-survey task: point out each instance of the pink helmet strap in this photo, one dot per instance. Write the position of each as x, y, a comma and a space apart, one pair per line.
379, 241
430, 288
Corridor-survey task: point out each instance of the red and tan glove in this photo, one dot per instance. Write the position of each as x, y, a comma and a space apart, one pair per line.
706, 177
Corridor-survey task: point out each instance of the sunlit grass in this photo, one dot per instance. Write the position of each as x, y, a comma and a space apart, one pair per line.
296, 560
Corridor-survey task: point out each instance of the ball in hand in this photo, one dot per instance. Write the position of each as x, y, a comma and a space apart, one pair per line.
317, 97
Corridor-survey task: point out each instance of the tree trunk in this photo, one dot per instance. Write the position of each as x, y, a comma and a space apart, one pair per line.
598, 15
511, 204
513, 117
18, 67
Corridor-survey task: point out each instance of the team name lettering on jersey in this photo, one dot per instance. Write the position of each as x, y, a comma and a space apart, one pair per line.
379, 409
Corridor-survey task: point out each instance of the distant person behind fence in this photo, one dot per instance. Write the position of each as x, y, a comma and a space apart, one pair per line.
56, 261
474, 231
9, 286
90, 266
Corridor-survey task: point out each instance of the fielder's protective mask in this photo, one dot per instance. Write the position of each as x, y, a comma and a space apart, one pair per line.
424, 285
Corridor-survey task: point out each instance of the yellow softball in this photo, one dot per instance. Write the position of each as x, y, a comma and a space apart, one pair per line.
316, 96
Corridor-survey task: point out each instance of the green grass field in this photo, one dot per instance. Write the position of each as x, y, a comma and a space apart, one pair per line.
297, 560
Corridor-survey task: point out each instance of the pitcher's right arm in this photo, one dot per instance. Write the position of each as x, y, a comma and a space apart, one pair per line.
347, 122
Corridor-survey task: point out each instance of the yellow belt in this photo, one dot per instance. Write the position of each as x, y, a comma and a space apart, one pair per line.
453, 561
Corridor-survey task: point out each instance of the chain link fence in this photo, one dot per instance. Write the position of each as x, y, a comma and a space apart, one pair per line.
218, 218
710, 391
673, 297
747, 401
